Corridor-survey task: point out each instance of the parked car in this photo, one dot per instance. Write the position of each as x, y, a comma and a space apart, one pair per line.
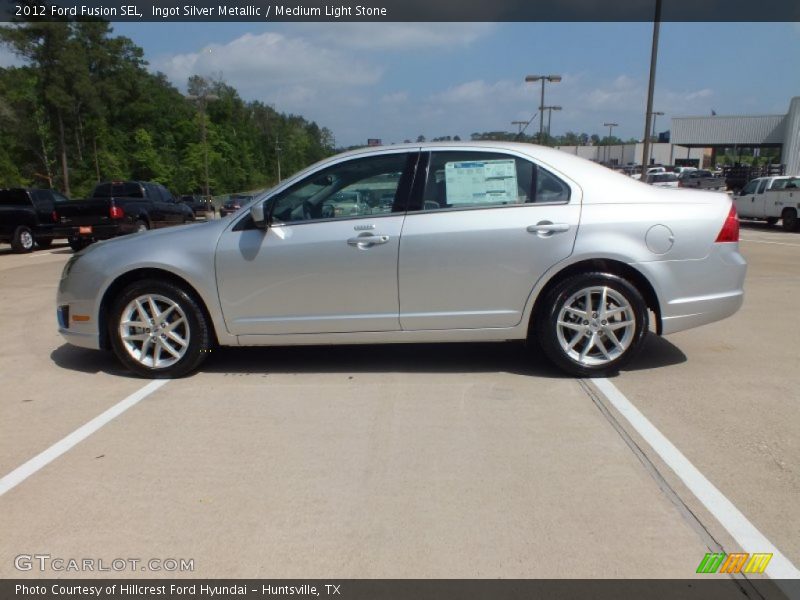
28, 217
234, 203
701, 179
200, 206
119, 208
488, 241
667, 180
770, 199
649, 171
680, 170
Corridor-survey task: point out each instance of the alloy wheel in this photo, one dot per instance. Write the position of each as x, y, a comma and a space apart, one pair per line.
154, 331
596, 325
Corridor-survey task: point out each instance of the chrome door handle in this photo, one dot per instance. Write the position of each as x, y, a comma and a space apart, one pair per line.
363, 241
546, 227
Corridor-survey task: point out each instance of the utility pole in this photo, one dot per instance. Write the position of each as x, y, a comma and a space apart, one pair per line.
651, 86
655, 114
608, 141
278, 156
542, 78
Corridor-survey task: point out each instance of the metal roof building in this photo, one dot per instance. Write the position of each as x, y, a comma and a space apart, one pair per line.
748, 130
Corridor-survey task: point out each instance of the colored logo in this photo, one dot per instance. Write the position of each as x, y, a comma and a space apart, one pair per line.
738, 562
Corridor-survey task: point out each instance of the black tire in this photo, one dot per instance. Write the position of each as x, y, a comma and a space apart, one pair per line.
77, 244
22, 240
141, 225
772, 220
789, 220
547, 330
196, 329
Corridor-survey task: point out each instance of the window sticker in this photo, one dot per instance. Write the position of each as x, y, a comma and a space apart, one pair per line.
481, 182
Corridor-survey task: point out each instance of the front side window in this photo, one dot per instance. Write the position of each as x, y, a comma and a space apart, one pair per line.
763, 186
750, 188
459, 180
354, 188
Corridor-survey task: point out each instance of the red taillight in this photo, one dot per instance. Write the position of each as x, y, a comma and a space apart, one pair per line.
116, 212
54, 216
730, 228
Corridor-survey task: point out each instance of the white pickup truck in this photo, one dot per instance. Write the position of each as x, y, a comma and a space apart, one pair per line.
770, 199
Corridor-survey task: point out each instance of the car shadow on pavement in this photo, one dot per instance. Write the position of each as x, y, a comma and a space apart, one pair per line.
390, 358
88, 361
656, 352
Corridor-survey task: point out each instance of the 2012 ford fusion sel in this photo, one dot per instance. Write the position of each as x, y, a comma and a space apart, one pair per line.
418, 243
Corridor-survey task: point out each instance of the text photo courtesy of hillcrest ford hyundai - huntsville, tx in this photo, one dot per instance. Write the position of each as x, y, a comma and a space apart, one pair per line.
399, 300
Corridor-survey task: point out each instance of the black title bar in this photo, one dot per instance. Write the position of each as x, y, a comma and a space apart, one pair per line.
402, 10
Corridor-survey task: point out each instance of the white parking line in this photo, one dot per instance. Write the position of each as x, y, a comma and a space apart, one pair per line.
738, 526
24, 471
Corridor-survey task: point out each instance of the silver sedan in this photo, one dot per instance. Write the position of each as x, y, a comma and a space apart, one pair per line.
418, 243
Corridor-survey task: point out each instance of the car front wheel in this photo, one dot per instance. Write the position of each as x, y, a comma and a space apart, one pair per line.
158, 330
592, 324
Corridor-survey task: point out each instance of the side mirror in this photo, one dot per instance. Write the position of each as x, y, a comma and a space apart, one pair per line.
258, 216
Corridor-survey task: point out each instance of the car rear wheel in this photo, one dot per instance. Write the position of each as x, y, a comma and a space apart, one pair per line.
789, 219
158, 330
22, 240
592, 324
141, 225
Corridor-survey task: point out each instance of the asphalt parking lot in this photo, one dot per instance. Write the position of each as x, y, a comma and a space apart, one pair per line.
443, 461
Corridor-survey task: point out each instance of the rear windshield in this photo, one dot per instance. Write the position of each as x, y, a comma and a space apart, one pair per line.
119, 189
14, 197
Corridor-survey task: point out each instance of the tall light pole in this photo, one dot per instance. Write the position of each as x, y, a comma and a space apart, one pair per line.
202, 102
652, 84
655, 114
550, 110
608, 141
542, 78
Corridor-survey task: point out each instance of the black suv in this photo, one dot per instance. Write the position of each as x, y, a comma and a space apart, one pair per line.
28, 216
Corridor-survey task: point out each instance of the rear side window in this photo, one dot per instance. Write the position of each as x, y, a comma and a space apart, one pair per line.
43, 199
14, 197
459, 180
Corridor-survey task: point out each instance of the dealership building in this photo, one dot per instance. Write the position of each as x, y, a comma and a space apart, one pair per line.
695, 137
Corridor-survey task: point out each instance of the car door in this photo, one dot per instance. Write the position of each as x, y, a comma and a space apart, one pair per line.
481, 229
173, 212
325, 264
760, 200
746, 200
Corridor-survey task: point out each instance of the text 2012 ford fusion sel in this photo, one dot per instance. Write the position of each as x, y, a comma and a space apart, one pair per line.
418, 243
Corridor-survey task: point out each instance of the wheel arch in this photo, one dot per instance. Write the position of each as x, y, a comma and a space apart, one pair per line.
602, 265
129, 277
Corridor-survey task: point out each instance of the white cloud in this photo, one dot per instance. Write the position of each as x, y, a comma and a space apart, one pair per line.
269, 61
395, 98
399, 36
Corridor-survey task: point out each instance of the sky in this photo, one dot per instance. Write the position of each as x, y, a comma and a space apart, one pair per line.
395, 81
